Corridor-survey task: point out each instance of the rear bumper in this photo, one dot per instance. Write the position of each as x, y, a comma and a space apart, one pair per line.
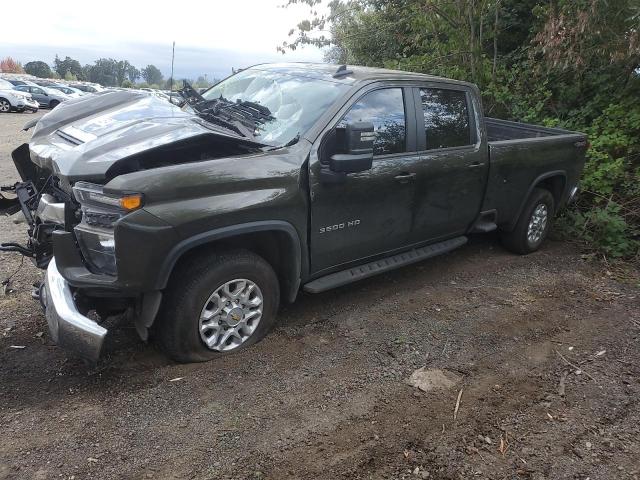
68, 327
23, 104
572, 195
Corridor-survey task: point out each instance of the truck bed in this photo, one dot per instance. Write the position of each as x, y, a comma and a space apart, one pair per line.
504, 130
519, 155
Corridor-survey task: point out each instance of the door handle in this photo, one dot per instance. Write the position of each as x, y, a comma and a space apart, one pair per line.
476, 165
404, 177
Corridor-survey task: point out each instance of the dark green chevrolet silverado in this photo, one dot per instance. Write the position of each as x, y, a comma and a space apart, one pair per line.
197, 221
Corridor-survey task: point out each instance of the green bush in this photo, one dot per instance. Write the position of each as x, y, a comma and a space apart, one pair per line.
608, 215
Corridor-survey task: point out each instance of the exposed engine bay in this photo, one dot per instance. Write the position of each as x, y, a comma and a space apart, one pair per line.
46, 204
64, 156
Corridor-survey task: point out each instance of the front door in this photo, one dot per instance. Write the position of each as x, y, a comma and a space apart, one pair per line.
369, 213
454, 163
38, 95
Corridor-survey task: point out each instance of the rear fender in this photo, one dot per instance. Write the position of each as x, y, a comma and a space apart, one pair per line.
536, 183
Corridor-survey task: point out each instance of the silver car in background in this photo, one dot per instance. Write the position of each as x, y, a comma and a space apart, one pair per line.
46, 97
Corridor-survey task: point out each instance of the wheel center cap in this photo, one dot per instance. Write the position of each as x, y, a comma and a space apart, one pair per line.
234, 316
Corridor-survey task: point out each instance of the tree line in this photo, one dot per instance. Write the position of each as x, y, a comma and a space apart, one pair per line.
105, 71
568, 63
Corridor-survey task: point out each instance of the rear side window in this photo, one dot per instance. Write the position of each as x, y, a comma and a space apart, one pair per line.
385, 109
446, 118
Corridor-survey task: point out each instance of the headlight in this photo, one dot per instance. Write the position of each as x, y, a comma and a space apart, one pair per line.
95, 233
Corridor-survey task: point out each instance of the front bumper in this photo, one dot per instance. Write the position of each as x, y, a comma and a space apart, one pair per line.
68, 327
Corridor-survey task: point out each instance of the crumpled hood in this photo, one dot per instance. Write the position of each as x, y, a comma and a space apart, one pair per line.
82, 138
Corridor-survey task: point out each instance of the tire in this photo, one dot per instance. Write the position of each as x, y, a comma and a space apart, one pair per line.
533, 225
5, 106
191, 295
53, 104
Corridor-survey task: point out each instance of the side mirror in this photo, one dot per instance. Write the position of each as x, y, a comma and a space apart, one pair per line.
358, 145
359, 137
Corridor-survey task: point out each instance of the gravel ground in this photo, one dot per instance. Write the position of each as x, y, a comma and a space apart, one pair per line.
542, 350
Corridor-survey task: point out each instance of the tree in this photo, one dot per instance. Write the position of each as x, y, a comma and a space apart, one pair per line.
124, 70
38, 69
68, 65
9, 65
105, 72
152, 75
202, 82
133, 74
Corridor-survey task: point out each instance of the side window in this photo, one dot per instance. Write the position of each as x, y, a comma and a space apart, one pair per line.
446, 118
37, 90
385, 109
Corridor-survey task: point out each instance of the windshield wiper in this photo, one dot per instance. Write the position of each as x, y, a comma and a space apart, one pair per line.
190, 94
243, 117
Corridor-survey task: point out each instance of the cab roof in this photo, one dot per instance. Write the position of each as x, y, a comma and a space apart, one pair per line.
350, 75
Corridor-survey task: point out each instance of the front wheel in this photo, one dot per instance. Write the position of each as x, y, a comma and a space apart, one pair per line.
217, 304
533, 225
5, 106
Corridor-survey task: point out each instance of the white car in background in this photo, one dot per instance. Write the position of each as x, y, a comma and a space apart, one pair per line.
69, 91
11, 99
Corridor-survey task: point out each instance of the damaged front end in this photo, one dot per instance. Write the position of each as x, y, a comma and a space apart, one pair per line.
45, 204
98, 244
49, 207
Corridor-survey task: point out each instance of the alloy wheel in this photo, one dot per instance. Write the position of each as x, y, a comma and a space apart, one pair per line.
537, 224
230, 315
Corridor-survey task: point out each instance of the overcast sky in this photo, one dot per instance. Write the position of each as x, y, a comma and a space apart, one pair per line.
211, 36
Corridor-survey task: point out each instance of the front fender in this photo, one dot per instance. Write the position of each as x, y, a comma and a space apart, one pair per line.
296, 267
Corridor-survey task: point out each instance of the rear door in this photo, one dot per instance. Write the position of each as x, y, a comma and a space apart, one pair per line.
453, 162
370, 212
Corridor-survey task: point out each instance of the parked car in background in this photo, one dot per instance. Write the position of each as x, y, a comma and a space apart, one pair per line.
46, 97
160, 95
44, 83
175, 98
87, 88
71, 92
10, 99
15, 82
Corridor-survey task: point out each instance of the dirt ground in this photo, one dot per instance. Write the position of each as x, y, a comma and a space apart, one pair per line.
325, 396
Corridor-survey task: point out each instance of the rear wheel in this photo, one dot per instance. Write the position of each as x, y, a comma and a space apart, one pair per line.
533, 225
217, 304
5, 106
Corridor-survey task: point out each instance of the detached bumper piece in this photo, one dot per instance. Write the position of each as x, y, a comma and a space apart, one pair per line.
68, 327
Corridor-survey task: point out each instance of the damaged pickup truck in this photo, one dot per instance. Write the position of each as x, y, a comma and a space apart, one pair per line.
196, 221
